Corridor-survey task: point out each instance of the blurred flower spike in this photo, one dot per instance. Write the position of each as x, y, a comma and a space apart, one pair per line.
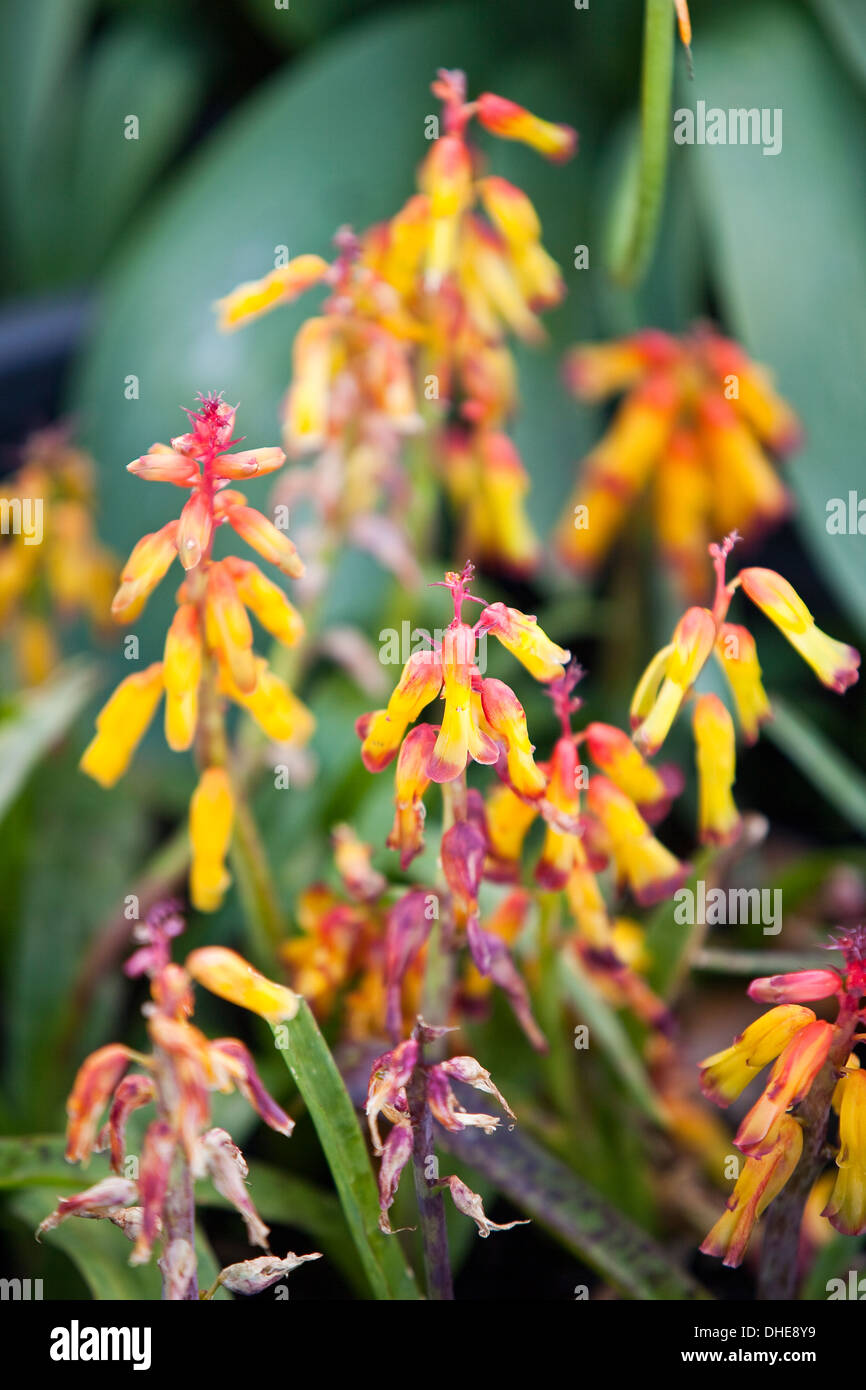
699, 419
209, 652
813, 1066
431, 296
53, 568
669, 678
403, 1087
154, 1206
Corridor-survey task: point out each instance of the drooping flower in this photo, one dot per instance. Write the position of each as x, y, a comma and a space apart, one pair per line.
697, 418
391, 1077
668, 681
808, 1054
177, 1077
209, 646
481, 719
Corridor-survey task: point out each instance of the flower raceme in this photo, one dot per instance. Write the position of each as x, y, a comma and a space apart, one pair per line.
177, 1078
481, 718
52, 565
697, 418
701, 633
391, 1081
208, 652
807, 1054
432, 293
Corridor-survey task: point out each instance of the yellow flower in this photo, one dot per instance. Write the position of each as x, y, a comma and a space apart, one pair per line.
725, 1074
761, 1180
121, 724
227, 974
211, 813
846, 1208
835, 663
715, 746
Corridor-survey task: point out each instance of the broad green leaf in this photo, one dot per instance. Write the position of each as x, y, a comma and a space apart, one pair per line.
606, 1029
36, 1160
136, 69
796, 307
550, 1193
843, 784
36, 721
315, 1073
846, 23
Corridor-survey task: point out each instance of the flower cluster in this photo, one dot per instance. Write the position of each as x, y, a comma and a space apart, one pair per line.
209, 646
813, 1068
698, 417
431, 294
402, 1088
704, 632
52, 565
150, 1197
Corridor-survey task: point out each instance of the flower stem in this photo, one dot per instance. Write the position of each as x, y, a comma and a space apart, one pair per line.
178, 1217
779, 1273
630, 263
431, 1207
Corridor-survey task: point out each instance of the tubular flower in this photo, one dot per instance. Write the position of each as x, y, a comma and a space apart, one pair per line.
727, 1073
668, 679
209, 645
835, 663
642, 861
715, 744
761, 1180
697, 418
178, 1076
846, 1208
810, 1055
352, 397
53, 568
481, 719
402, 1087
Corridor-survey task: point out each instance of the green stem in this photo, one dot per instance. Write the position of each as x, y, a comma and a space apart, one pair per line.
629, 266
261, 904
314, 1071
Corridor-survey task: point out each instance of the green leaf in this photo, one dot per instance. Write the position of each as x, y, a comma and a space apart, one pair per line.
796, 308
845, 21
670, 944
36, 722
550, 1193
606, 1029
843, 784
35, 1160
135, 69
315, 1074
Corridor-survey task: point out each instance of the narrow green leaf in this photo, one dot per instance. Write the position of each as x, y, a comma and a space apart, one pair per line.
34, 1160
757, 963
36, 722
671, 945
607, 1030
843, 784
315, 1073
573, 1212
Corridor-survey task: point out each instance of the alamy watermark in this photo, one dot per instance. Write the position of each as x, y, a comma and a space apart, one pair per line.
713, 907
22, 516
738, 126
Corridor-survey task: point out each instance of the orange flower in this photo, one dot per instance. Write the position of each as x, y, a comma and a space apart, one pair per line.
697, 419
209, 645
